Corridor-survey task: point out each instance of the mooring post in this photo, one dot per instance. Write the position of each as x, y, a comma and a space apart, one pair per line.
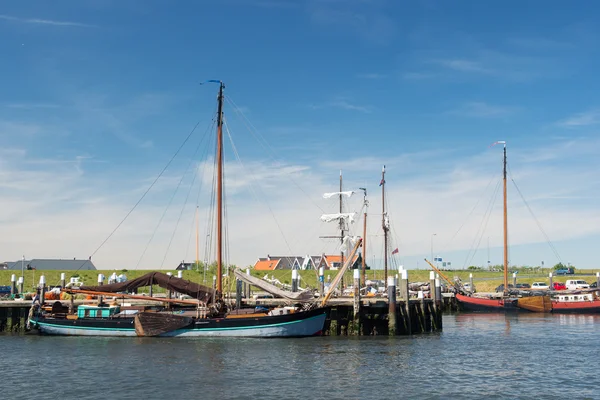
20, 281
42, 287
356, 324
180, 274
392, 323
438, 304
238, 293
550, 278
322, 281
471, 289
13, 285
100, 283
169, 293
598, 280
515, 280
294, 280
249, 291
432, 293
62, 280
407, 305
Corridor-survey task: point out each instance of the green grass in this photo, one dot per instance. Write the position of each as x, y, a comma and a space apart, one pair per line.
484, 281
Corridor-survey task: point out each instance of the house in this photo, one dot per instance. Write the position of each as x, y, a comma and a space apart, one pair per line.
52, 264
334, 262
183, 266
271, 263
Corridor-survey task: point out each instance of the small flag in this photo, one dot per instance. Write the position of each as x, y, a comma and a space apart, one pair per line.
382, 182
395, 251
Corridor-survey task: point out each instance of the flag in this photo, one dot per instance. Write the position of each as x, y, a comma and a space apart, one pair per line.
395, 251
382, 182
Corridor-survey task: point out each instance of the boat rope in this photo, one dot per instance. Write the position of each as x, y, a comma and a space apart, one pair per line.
482, 227
255, 183
550, 244
183, 207
143, 195
263, 142
173, 195
494, 175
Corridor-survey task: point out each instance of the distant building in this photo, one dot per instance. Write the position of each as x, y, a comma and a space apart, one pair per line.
47, 264
328, 262
183, 266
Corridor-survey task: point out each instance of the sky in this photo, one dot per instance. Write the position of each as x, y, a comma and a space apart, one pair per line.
98, 96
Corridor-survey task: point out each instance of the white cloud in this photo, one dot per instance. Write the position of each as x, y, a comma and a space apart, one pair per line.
591, 117
57, 209
480, 109
49, 22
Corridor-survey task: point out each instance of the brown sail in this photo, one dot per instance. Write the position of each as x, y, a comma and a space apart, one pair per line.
535, 303
165, 281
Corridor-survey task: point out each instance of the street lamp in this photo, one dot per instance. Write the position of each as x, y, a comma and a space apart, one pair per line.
432, 235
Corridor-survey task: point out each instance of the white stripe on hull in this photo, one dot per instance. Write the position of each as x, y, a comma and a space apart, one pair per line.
307, 327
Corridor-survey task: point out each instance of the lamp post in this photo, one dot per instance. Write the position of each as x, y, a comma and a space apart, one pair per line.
432, 235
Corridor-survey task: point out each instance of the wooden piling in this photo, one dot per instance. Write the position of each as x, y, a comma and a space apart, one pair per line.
432, 292
42, 287
238, 293
407, 301
355, 326
294, 280
550, 278
322, 281
514, 279
62, 280
392, 321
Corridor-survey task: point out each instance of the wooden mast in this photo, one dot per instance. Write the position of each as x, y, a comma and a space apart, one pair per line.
220, 192
364, 242
197, 237
384, 225
505, 227
341, 229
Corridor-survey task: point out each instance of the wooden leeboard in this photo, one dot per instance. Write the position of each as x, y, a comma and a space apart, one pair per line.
154, 324
535, 303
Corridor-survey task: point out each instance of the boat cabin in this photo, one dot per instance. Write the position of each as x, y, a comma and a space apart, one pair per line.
575, 297
85, 311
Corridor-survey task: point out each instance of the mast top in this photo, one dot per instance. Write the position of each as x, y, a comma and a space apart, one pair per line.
383, 169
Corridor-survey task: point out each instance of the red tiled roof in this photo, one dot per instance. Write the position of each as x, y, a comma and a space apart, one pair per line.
266, 265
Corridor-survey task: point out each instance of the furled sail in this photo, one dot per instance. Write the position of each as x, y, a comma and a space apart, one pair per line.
165, 281
349, 193
303, 296
333, 217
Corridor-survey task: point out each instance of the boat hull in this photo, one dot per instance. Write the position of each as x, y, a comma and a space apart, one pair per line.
479, 304
576, 307
300, 324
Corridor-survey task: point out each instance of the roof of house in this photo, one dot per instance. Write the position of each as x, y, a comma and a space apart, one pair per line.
266, 265
337, 258
50, 264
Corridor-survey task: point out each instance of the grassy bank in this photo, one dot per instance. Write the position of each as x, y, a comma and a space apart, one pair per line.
484, 281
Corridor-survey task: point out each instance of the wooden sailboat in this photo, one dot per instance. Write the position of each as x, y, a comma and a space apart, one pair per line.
506, 302
209, 315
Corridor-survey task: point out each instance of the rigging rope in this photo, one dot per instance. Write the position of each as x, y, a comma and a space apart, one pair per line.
147, 190
263, 142
550, 244
237, 156
173, 197
482, 226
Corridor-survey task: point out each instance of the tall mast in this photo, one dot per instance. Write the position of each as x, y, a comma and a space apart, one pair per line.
197, 238
341, 227
384, 225
364, 242
220, 191
505, 227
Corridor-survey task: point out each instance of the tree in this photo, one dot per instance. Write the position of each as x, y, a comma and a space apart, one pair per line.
559, 266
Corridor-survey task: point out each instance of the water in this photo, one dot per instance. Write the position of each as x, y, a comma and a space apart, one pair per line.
526, 356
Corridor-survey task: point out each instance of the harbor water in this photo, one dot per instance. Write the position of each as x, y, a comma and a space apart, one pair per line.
477, 356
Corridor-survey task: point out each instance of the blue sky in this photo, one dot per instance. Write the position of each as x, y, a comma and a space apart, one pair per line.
97, 95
